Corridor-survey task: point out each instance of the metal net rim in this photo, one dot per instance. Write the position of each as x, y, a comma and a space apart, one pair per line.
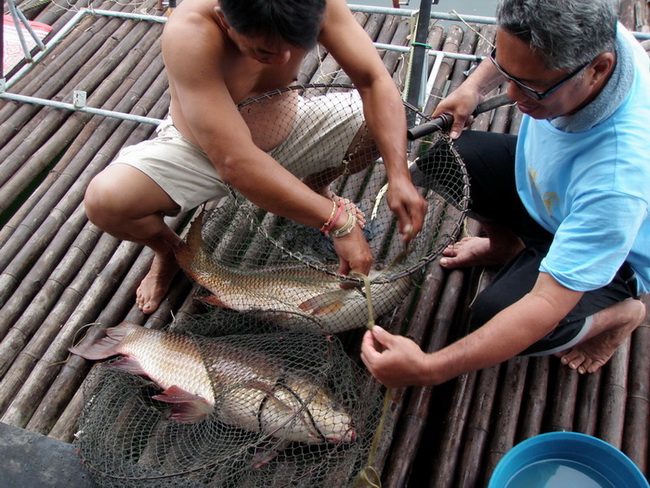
461, 205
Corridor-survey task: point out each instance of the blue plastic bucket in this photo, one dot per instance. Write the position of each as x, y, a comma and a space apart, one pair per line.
566, 459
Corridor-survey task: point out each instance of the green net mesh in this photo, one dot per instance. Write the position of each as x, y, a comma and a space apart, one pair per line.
290, 408
250, 259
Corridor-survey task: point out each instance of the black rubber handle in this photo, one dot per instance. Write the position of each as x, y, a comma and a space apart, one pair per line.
444, 121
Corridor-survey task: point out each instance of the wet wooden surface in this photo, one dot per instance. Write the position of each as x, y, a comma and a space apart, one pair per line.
59, 273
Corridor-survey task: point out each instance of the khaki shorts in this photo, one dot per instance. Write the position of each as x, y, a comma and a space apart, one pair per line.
321, 135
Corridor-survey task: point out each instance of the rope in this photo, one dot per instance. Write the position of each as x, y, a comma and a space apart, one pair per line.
369, 471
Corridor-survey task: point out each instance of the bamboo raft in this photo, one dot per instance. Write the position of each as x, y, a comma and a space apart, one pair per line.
60, 275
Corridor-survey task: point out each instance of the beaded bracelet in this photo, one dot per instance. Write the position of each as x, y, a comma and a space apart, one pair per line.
337, 209
347, 227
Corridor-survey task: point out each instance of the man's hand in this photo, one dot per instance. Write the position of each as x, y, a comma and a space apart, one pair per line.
393, 360
460, 104
409, 207
354, 252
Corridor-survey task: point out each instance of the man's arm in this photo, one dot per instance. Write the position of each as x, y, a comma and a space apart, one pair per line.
397, 361
383, 109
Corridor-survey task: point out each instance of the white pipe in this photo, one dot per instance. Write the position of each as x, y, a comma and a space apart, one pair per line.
70, 106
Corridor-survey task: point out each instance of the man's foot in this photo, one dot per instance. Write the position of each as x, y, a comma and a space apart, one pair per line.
480, 251
155, 284
618, 322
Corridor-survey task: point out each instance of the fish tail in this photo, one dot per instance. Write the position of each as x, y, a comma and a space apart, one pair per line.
106, 347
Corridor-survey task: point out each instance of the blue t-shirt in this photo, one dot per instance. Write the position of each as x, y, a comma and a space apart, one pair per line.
592, 189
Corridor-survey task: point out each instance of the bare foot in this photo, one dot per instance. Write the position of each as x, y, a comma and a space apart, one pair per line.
349, 207
615, 324
479, 251
155, 284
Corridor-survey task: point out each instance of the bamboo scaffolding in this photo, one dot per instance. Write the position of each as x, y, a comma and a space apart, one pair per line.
105, 63
35, 230
43, 309
66, 175
47, 79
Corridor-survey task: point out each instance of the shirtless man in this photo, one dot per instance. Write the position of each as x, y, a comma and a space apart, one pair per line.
564, 204
217, 54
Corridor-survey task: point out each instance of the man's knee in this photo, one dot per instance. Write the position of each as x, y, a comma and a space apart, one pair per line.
101, 200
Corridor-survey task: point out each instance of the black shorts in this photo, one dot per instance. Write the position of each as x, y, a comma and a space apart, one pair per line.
490, 160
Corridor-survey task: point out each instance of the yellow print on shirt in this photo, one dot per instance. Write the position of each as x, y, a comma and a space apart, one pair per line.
550, 199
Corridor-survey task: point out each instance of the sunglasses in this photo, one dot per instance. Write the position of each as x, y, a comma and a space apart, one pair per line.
531, 92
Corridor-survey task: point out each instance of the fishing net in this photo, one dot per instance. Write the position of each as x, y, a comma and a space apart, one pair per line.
290, 409
250, 259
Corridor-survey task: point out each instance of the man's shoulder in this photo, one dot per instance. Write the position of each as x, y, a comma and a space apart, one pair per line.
195, 13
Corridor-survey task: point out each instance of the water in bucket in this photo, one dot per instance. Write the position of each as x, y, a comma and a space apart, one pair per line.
558, 473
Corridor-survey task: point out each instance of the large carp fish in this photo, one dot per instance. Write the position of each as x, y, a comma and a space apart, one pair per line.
294, 289
250, 391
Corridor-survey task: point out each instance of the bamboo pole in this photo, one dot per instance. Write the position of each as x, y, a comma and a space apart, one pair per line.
535, 400
399, 465
75, 370
507, 414
413, 420
50, 328
46, 197
33, 300
94, 133
478, 429
448, 452
614, 391
564, 400
637, 414
587, 405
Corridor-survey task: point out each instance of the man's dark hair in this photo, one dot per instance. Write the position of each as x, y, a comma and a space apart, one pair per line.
297, 22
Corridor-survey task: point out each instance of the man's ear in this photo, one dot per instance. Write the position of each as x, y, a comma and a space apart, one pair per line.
221, 18
602, 66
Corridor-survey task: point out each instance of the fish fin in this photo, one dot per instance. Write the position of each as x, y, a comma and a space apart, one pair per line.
264, 456
324, 303
105, 347
213, 300
129, 365
186, 406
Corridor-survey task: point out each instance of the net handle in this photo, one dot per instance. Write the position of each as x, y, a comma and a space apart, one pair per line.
444, 121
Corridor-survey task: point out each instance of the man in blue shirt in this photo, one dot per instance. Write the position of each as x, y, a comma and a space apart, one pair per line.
565, 205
